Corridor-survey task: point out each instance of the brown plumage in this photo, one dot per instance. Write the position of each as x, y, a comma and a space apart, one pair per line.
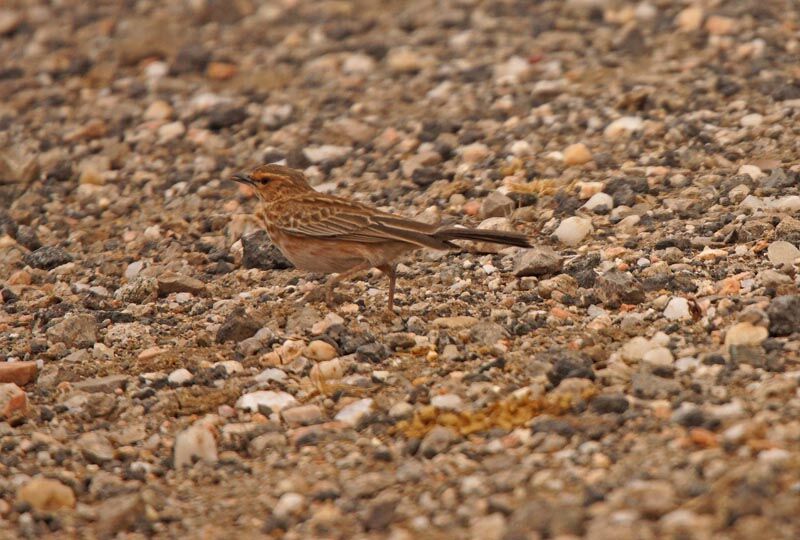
329, 234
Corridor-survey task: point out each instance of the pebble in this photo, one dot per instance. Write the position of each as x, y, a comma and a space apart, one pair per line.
784, 315
496, 205
353, 413
140, 290
538, 261
624, 127
75, 330
474, 153
690, 19
327, 152
197, 442
600, 203
450, 402
13, 401
288, 505
275, 401
171, 131
169, 283
320, 351
304, 415
46, 495
437, 441
47, 258
158, 110
573, 230
180, 377
782, 253
577, 154
19, 373
677, 309
238, 326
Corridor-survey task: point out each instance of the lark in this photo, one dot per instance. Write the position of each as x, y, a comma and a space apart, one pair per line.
328, 234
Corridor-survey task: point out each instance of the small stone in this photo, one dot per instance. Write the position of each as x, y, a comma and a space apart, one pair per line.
492, 224
538, 261
401, 410
169, 283
276, 116
259, 252
577, 154
353, 413
120, 513
718, 25
615, 288
487, 333
171, 131
320, 351
105, 385
600, 203
47, 257
491, 527
782, 253
223, 116
238, 326
46, 495
75, 330
635, 349
474, 153
658, 358
13, 401
690, 19
751, 120
745, 333
195, 442
624, 127
677, 308
789, 230
95, 448
653, 498
304, 415
180, 377
274, 401
450, 402
327, 152
784, 315
609, 404
496, 205
9, 21
19, 373
289, 505
438, 440
404, 60
221, 71
649, 386
158, 110
573, 230
358, 63
139, 291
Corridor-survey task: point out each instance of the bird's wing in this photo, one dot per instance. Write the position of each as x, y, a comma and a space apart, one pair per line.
325, 216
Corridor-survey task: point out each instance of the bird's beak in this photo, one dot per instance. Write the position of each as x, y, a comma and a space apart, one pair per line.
242, 178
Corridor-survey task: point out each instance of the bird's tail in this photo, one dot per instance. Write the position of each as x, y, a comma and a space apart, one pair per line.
483, 235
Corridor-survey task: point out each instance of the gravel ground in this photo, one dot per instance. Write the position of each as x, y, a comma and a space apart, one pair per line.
635, 375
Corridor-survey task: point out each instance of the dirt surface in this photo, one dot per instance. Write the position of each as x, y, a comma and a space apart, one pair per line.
634, 375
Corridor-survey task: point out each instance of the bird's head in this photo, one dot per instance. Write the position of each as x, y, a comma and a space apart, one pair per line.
272, 181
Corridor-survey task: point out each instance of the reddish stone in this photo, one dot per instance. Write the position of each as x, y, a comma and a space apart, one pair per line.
20, 373
13, 400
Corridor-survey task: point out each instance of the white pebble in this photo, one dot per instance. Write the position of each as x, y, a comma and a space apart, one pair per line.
351, 414
573, 230
677, 308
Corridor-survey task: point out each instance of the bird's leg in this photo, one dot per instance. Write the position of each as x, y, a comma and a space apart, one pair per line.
390, 271
329, 300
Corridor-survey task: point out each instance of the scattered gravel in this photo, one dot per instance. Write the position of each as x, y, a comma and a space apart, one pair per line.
633, 375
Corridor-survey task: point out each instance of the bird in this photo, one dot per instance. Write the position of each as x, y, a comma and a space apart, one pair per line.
324, 233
